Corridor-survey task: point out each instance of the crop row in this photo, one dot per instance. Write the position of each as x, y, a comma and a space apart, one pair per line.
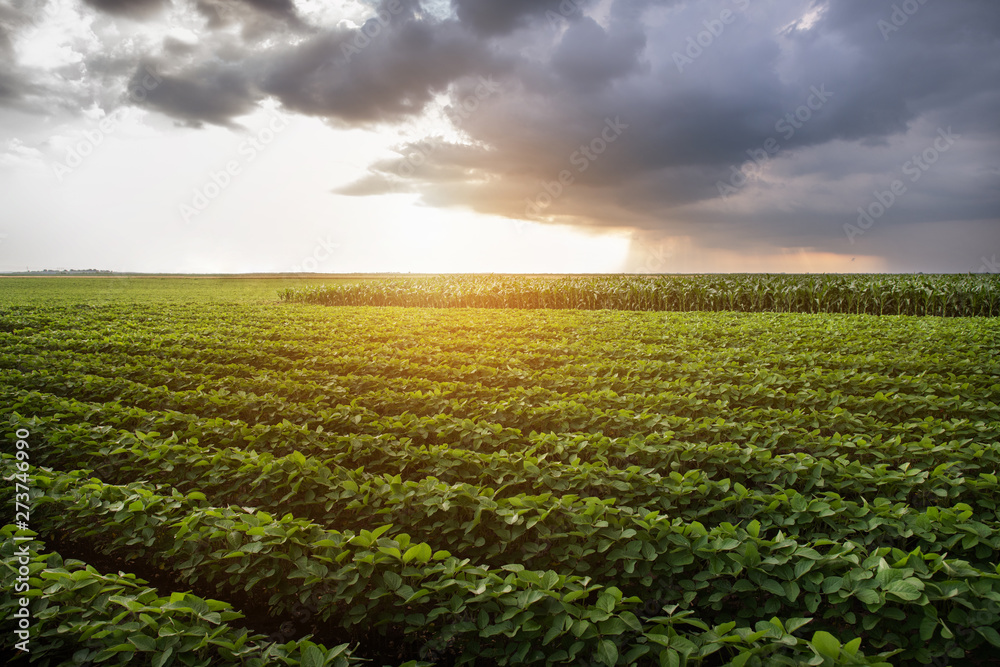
533, 339
846, 347
710, 337
926, 472
418, 447
805, 388
390, 583
482, 432
478, 522
82, 616
972, 295
712, 472
916, 471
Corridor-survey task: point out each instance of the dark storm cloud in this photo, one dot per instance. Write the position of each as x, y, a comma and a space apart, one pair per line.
498, 17
13, 81
21, 86
349, 76
388, 70
835, 94
6, 45
258, 17
276, 7
210, 95
588, 57
827, 91
139, 9
940, 58
10, 87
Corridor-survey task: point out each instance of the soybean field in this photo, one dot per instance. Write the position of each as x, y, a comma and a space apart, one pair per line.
710, 471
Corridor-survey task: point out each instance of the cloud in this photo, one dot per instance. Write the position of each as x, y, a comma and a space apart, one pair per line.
386, 71
373, 184
258, 17
499, 17
589, 57
136, 9
12, 80
833, 99
879, 101
209, 94
348, 76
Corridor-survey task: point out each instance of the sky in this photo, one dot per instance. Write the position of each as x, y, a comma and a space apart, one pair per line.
553, 136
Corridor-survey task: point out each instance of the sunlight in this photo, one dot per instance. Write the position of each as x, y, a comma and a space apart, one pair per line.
681, 254
425, 240
810, 18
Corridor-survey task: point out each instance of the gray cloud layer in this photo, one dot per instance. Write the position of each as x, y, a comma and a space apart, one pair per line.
831, 98
130, 8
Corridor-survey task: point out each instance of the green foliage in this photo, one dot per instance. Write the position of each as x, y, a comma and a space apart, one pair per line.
946, 295
511, 487
81, 616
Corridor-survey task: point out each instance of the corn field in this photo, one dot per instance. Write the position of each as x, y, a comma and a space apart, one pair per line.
969, 295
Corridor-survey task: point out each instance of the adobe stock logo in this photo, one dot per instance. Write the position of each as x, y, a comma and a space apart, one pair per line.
714, 28
581, 159
914, 168
371, 29
460, 110
787, 125
323, 251
900, 16
989, 265
218, 181
567, 8
85, 147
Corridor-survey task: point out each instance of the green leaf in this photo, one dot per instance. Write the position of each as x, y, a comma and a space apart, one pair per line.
419, 595
632, 657
392, 580
378, 532
904, 589
927, 627
773, 586
793, 624
162, 657
670, 658
143, 642
990, 635
607, 652
612, 626
826, 644
869, 596
832, 585
631, 620
108, 652
313, 657
419, 552
741, 658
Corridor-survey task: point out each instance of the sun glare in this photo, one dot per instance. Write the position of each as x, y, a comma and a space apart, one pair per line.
457, 241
